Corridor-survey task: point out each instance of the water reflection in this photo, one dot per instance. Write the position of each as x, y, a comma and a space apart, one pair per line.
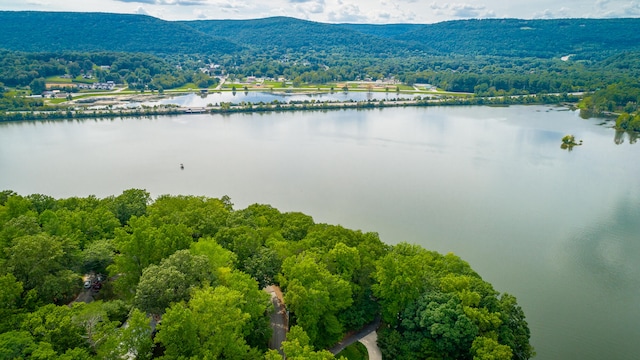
608, 249
621, 135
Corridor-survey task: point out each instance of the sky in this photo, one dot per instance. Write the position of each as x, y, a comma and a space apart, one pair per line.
340, 11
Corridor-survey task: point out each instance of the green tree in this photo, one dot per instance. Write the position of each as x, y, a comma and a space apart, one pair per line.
133, 339
10, 302
514, 330
95, 322
39, 261
16, 345
17, 227
98, 256
256, 303
242, 240
209, 326
263, 266
484, 348
297, 346
38, 86
316, 297
142, 244
204, 216
159, 287
218, 256
179, 333
295, 226
132, 202
55, 325
403, 275
74, 69
136, 337
171, 281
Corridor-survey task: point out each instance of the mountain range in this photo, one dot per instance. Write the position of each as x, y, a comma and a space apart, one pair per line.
63, 31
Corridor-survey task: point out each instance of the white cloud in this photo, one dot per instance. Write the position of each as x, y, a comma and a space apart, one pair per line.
141, 11
37, 3
462, 11
168, 2
200, 14
373, 11
347, 13
628, 9
308, 7
549, 14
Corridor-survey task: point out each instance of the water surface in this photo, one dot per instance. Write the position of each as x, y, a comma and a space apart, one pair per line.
557, 229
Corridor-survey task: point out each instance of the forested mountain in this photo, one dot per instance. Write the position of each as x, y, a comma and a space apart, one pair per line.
294, 34
56, 31
63, 31
528, 38
583, 38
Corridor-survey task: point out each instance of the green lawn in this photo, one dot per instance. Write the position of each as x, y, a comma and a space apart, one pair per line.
61, 80
57, 101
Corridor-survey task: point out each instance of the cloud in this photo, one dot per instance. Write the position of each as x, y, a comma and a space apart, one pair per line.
347, 13
37, 3
141, 11
307, 7
463, 11
199, 14
549, 14
631, 9
168, 2
229, 7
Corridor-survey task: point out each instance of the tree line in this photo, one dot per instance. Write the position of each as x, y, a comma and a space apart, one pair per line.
200, 266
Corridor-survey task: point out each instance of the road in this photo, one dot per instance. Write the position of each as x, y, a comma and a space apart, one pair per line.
365, 332
280, 326
279, 318
371, 343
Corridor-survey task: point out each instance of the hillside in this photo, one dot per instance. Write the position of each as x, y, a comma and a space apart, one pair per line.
285, 33
528, 38
62, 31
585, 38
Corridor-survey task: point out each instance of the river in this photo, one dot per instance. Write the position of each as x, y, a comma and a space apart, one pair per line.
558, 229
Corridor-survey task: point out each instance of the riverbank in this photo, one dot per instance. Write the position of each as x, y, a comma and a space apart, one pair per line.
102, 110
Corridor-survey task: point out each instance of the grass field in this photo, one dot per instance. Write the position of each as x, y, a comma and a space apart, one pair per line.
61, 80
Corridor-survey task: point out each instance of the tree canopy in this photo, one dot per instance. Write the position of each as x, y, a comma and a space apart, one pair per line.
183, 277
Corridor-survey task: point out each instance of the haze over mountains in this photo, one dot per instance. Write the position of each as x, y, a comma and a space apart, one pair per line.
60, 31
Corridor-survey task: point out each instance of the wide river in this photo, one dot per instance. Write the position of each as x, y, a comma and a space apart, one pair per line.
558, 229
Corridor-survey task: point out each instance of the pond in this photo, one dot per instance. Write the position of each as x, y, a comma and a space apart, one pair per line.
202, 100
558, 229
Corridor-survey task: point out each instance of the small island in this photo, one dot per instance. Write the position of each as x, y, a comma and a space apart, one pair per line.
569, 141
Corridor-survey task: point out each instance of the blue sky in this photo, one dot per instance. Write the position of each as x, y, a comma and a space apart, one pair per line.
356, 11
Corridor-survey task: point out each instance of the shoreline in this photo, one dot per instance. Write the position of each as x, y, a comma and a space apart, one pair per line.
226, 108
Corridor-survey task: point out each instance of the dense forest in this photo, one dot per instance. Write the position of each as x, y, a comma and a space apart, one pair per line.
199, 266
57, 31
60, 31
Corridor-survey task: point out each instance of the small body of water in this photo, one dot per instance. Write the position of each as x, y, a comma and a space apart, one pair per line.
202, 100
560, 230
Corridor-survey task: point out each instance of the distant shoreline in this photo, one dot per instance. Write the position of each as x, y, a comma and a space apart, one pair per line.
227, 108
